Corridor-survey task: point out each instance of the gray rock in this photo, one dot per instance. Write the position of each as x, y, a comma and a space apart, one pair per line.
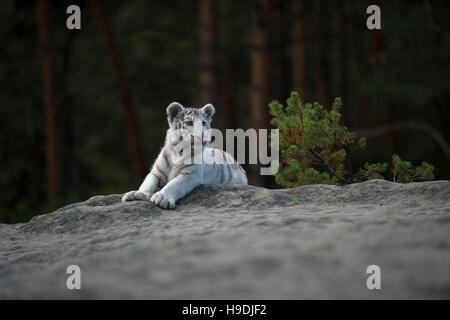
235, 241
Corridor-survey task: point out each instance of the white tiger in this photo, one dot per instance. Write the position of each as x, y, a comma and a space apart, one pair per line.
172, 173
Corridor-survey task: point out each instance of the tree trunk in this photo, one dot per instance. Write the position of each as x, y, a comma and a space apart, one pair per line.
208, 81
300, 32
260, 66
130, 118
323, 52
341, 65
279, 66
52, 123
379, 59
260, 75
362, 115
227, 93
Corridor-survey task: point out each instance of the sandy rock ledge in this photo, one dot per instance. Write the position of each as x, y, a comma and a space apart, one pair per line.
234, 241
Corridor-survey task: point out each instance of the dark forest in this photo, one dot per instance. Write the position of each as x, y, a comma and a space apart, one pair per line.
83, 111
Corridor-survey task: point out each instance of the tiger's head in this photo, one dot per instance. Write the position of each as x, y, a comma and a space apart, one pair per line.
189, 124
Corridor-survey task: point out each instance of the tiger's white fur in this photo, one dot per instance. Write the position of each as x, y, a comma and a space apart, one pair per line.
172, 173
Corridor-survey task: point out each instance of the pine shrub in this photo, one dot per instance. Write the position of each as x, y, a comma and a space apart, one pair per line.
314, 148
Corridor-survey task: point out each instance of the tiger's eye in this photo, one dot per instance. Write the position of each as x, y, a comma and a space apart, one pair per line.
189, 123
204, 122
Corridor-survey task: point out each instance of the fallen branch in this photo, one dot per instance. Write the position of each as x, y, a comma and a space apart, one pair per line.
396, 126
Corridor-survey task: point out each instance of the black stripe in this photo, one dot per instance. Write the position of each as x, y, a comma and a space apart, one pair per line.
159, 175
178, 169
159, 178
222, 176
159, 169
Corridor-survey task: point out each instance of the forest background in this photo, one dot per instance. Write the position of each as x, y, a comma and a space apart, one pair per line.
83, 111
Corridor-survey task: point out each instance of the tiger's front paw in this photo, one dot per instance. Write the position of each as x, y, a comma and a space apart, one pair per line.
135, 195
162, 201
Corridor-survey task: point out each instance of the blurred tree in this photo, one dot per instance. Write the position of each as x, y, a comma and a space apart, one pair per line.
51, 101
341, 67
260, 73
300, 31
378, 60
208, 68
254, 63
130, 118
364, 114
278, 45
322, 39
227, 93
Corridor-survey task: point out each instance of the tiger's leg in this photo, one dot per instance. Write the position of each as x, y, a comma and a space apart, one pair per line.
175, 189
145, 191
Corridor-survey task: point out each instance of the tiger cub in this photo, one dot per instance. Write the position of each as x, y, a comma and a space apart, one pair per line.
185, 161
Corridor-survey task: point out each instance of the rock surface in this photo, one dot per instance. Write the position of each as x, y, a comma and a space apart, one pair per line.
234, 241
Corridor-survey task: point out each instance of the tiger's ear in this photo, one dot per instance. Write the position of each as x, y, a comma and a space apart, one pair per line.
209, 110
173, 110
